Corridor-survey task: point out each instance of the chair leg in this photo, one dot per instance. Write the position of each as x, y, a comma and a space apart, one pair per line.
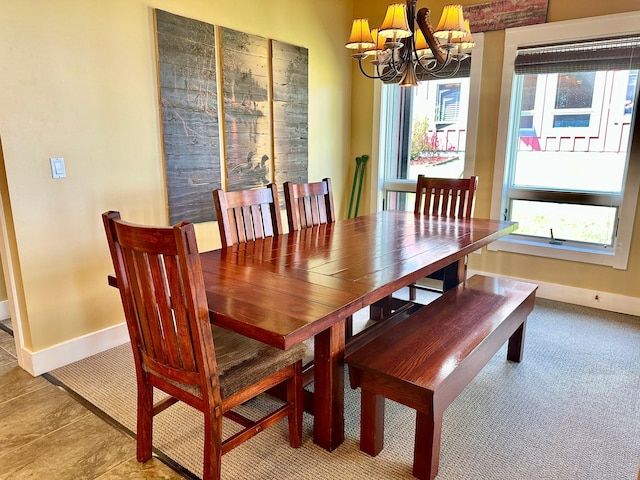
412, 292
144, 438
212, 445
381, 309
295, 397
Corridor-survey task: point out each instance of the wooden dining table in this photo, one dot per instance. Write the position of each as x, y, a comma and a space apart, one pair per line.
287, 289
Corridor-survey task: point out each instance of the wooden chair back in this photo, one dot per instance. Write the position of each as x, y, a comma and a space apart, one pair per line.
309, 204
445, 197
162, 289
247, 215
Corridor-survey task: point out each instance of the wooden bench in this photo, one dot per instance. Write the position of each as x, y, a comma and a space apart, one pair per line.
427, 359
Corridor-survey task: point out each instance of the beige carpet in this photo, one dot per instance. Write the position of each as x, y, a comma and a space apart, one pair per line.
570, 410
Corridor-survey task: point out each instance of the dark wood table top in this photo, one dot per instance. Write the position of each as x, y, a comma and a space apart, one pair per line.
283, 290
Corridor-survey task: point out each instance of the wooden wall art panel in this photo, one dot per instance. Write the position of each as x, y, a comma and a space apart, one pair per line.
290, 112
245, 67
189, 108
265, 112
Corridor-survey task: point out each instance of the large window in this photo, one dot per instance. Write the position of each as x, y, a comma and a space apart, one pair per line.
567, 177
429, 130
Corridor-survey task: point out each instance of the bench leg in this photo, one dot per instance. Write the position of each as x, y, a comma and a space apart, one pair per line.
426, 451
515, 349
371, 423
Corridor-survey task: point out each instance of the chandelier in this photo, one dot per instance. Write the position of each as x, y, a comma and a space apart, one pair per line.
399, 50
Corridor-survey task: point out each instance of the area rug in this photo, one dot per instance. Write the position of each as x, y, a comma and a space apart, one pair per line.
570, 410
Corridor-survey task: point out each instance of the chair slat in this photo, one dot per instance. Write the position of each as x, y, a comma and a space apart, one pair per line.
161, 270
146, 301
179, 344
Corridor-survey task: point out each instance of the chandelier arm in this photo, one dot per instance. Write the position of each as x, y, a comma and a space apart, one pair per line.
391, 73
449, 74
443, 65
379, 75
374, 77
396, 65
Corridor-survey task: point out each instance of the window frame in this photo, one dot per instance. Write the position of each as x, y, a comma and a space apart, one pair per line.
381, 184
559, 32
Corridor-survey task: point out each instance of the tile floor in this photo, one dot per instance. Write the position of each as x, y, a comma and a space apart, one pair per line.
46, 433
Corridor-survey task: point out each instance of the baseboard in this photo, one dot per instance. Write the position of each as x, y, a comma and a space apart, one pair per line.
43, 361
4, 310
581, 296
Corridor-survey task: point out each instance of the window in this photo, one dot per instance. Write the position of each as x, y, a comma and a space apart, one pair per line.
567, 178
429, 130
448, 106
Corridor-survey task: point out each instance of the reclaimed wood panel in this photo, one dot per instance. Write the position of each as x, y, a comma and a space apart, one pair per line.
290, 112
245, 66
189, 108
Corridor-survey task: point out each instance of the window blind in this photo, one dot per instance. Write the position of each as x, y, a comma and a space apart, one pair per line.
620, 53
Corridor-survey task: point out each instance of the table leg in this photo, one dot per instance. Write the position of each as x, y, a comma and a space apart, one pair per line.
328, 377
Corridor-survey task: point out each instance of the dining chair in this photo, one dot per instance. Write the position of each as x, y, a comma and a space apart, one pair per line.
178, 351
309, 204
247, 215
443, 197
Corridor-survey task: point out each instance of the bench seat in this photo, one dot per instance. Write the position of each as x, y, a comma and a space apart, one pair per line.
427, 359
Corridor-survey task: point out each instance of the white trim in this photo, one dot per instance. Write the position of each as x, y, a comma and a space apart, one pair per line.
473, 109
8, 269
611, 302
515, 244
570, 30
5, 312
377, 173
43, 361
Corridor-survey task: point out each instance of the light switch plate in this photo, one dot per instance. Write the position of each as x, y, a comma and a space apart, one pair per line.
57, 167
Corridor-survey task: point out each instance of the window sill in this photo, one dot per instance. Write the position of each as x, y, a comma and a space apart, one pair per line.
571, 253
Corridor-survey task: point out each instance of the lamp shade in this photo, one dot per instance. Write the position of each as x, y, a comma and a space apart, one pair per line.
451, 25
378, 41
395, 24
360, 38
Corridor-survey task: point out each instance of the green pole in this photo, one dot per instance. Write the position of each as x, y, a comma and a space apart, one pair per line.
364, 163
353, 188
